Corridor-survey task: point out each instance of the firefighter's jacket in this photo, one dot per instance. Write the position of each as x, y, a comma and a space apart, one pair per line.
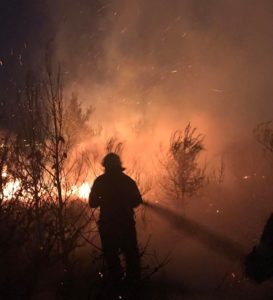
117, 195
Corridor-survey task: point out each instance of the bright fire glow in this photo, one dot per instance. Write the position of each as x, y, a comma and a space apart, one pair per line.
84, 191
10, 189
81, 191
13, 186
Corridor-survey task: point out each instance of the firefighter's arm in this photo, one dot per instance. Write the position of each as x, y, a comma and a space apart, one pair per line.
136, 196
95, 195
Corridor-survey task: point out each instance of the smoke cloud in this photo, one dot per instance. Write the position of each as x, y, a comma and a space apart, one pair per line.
160, 64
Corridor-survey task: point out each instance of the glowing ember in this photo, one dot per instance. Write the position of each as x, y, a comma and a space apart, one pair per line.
84, 190
4, 172
10, 189
81, 191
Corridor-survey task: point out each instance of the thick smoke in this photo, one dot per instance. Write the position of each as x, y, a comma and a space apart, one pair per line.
160, 64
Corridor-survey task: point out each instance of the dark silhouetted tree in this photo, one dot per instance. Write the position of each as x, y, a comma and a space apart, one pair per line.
184, 175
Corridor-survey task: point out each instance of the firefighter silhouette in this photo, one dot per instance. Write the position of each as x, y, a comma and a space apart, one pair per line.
116, 194
259, 262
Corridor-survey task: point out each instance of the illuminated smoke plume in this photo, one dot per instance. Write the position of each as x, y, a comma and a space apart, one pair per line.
155, 65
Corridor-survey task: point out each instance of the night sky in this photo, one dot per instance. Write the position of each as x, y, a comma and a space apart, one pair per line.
25, 30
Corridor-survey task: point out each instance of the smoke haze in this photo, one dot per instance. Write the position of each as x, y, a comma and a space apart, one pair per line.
161, 64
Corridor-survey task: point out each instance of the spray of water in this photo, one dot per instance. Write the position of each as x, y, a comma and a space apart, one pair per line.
222, 245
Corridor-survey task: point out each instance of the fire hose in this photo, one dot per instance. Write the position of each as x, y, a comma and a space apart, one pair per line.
258, 264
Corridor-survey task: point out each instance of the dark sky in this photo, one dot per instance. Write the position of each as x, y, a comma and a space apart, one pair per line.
25, 28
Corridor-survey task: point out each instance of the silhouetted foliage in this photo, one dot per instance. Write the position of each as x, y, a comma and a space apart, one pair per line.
114, 145
263, 133
184, 175
76, 119
43, 227
217, 173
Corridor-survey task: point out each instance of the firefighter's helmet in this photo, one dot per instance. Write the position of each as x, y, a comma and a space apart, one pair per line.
112, 162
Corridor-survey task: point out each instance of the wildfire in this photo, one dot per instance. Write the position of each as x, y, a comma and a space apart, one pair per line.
81, 191
13, 186
10, 189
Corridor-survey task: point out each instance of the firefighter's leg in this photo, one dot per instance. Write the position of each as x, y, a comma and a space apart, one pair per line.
131, 252
111, 254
